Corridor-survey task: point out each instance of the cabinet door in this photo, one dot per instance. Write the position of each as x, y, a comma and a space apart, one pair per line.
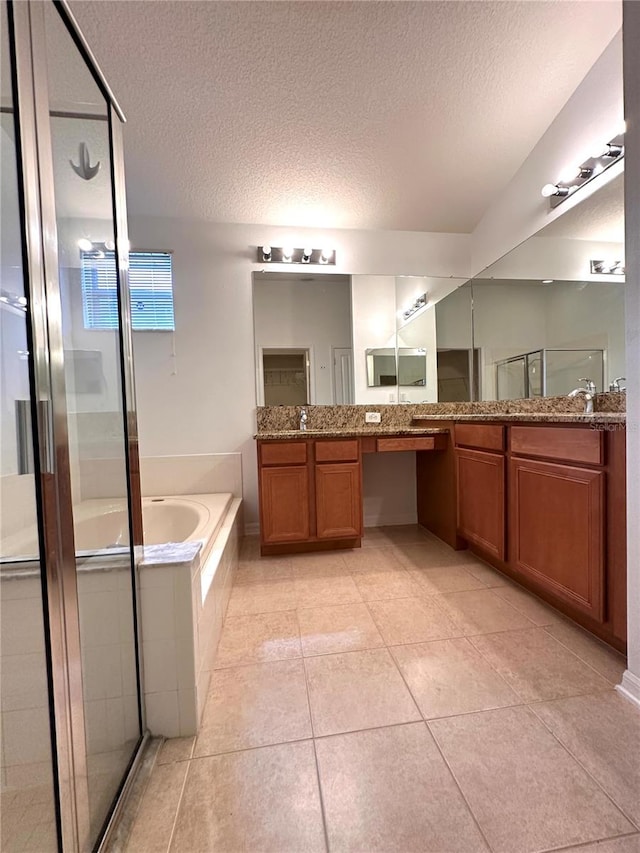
557, 530
284, 504
338, 501
481, 498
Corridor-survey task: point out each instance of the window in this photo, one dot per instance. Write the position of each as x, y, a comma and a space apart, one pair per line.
150, 284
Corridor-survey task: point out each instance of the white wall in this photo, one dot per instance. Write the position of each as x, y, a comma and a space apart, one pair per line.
558, 258
373, 308
591, 115
631, 28
314, 315
196, 388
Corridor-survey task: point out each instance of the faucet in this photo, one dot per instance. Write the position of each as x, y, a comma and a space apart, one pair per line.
614, 385
588, 394
303, 419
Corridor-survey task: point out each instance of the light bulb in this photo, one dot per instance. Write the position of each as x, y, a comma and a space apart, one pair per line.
606, 149
22, 300
570, 174
85, 245
326, 255
547, 281
553, 189
109, 245
266, 253
287, 254
306, 255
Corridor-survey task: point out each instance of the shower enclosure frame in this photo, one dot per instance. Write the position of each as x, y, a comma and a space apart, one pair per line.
49, 403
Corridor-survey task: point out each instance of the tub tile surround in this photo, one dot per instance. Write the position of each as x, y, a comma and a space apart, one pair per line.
272, 421
498, 729
184, 593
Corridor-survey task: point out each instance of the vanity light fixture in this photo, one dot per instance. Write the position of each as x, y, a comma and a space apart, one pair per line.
607, 268
549, 190
289, 255
17, 302
420, 302
571, 179
547, 281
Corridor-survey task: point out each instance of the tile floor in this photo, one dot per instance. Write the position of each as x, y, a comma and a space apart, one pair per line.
403, 697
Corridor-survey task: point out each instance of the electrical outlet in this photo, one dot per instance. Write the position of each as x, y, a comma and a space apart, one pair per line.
372, 418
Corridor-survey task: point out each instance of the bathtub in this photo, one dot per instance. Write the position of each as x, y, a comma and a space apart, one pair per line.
102, 526
185, 573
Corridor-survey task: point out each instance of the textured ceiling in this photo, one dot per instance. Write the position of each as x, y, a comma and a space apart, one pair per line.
383, 115
600, 217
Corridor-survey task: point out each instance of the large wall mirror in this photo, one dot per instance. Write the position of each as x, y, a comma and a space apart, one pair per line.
535, 323
542, 321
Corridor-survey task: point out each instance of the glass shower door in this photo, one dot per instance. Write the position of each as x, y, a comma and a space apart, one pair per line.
27, 771
96, 418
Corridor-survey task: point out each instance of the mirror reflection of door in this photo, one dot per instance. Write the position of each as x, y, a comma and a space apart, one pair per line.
458, 378
286, 377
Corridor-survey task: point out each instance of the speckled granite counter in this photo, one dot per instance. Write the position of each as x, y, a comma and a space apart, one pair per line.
413, 419
533, 417
349, 432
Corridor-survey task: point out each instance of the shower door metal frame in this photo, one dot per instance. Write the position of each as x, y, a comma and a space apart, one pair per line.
58, 559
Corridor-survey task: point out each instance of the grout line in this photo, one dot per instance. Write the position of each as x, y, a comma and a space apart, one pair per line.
566, 748
589, 638
322, 807
179, 805
585, 845
459, 787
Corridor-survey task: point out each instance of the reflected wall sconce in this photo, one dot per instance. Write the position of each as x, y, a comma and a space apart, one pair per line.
577, 176
420, 302
12, 300
607, 268
289, 255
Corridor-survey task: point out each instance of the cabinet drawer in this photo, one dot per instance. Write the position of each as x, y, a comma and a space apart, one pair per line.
337, 451
283, 453
570, 444
427, 442
482, 436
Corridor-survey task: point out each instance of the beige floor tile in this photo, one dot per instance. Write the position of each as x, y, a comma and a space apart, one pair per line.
603, 733
328, 564
528, 604
371, 560
323, 591
482, 612
627, 844
153, 825
404, 533
412, 620
377, 586
259, 801
259, 637
489, 576
262, 569
431, 555
250, 547
389, 790
256, 705
338, 628
449, 677
601, 657
526, 791
175, 749
445, 579
537, 666
266, 597
357, 690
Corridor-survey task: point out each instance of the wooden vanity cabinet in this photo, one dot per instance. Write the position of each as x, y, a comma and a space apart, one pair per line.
544, 503
557, 530
310, 494
284, 492
480, 487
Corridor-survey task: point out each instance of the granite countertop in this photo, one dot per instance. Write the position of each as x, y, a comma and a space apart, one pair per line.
349, 432
533, 417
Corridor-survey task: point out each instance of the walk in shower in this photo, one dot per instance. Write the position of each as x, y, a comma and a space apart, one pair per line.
70, 512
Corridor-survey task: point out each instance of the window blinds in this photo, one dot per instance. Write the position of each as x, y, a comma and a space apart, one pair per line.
150, 285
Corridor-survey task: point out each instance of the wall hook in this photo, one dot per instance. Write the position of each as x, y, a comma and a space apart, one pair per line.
84, 169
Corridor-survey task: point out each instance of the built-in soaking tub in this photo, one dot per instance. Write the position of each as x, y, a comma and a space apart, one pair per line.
185, 577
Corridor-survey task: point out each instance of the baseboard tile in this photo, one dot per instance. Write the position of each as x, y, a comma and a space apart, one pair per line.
390, 520
630, 688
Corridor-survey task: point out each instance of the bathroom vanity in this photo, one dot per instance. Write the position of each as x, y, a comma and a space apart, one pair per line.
540, 496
